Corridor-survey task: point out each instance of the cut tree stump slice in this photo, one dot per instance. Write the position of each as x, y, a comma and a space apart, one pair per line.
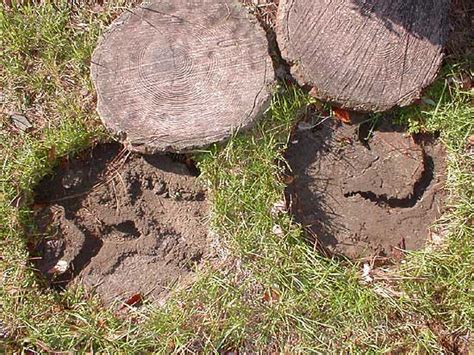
364, 55
178, 75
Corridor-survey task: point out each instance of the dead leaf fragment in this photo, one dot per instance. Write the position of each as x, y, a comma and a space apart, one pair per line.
135, 300
467, 83
52, 154
398, 252
313, 92
229, 352
471, 140
341, 115
288, 179
38, 206
43, 346
270, 296
21, 122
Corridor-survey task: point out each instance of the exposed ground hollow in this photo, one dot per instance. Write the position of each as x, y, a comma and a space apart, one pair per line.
121, 224
364, 194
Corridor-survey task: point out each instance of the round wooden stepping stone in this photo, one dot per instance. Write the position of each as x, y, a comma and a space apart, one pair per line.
176, 75
367, 55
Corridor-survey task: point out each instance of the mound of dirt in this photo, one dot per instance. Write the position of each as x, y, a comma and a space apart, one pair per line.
121, 224
362, 197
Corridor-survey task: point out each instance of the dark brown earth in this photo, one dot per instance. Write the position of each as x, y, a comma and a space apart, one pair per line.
362, 198
460, 44
124, 224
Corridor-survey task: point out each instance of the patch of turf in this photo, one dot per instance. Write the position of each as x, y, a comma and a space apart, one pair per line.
316, 296
443, 282
275, 292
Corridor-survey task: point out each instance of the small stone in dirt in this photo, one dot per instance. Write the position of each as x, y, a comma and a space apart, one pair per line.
277, 230
72, 179
21, 122
160, 188
60, 267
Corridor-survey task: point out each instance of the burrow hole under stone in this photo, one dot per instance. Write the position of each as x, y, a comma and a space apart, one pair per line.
121, 224
367, 191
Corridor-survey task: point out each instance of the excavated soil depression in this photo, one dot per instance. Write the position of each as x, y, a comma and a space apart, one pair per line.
362, 197
121, 224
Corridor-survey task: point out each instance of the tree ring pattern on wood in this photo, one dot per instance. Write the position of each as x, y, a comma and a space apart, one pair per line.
366, 55
177, 75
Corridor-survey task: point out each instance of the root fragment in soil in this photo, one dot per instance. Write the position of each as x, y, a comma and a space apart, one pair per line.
364, 198
121, 224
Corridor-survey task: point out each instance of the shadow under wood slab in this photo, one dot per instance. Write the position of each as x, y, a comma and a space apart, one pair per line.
365, 55
176, 75
363, 198
121, 224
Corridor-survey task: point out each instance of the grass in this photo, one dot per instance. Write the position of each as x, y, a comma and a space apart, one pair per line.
274, 293
446, 289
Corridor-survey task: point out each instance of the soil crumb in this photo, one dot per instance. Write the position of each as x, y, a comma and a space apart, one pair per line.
121, 224
362, 193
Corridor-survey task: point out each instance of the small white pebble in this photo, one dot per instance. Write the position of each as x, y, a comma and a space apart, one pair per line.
277, 230
60, 267
366, 273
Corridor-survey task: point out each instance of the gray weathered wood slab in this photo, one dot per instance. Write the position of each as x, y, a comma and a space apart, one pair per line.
367, 55
176, 75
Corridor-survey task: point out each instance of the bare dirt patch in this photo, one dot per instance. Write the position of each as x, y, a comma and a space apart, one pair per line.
121, 224
362, 197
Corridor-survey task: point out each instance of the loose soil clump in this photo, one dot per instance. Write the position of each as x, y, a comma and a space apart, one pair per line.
121, 224
361, 196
